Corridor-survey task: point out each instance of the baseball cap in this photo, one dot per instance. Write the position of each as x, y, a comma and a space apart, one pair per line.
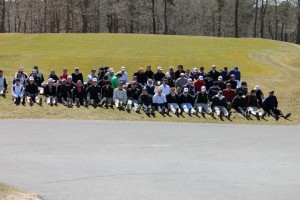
220, 78
201, 78
185, 90
95, 79
181, 74
31, 78
18, 80
123, 68
159, 68
190, 80
203, 88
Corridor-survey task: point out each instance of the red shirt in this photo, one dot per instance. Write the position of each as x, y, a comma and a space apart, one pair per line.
198, 84
229, 94
65, 76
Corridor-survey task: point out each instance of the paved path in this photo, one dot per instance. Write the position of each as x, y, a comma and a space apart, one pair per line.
93, 160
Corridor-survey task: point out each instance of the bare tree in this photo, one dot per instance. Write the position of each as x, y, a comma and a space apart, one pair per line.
298, 27
236, 19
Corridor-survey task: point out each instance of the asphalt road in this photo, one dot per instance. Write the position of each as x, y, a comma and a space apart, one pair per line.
92, 160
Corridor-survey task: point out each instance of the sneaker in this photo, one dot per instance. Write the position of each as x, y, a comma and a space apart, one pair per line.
30, 102
41, 102
203, 114
287, 115
221, 115
177, 112
197, 111
276, 117
263, 115
212, 114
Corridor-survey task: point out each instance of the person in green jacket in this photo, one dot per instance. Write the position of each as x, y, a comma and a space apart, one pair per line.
115, 80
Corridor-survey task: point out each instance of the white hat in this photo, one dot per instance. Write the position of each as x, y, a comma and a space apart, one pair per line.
95, 79
220, 78
256, 87
90, 78
31, 78
111, 70
213, 65
50, 80
201, 78
203, 88
185, 90
168, 74
181, 74
190, 80
34, 71
195, 70
159, 68
70, 77
123, 68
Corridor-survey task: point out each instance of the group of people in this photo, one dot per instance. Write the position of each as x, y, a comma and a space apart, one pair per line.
193, 92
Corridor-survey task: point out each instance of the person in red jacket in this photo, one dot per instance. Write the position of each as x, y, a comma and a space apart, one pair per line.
64, 74
199, 83
229, 93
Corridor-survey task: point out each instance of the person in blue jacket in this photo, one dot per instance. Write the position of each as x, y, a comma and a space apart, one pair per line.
237, 73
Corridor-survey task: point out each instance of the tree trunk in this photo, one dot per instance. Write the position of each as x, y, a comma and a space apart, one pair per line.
298, 27
264, 6
8, 16
270, 30
255, 19
153, 17
219, 19
97, 16
84, 16
45, 15
236, 19
276, 20
2, 24
282, 29
165, 15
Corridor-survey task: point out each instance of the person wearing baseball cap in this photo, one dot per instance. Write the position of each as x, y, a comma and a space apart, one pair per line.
202, 103
222, 85
93, 93
181, 82
32, 92
199, 83
270, 106
110, 74
219, 105
158, 76
77, 75
145, 102
190, 86
50, 92
17, 92
237, 74
186, 101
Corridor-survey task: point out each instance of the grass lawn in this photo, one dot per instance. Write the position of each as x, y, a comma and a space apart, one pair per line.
9, 193
270, 64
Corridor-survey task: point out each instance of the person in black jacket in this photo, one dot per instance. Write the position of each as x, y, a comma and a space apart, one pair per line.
79, 94
53, 76
50, 93
64, 93
179, 71
242, 89
107, 93
32, 92
133, 95
259, 95
239, 104
76, 75
233, 82
214, 74
202, 103
253, 105
158, 76
93, 93
213, 90
173, 101
145, 102
149, 73
170, 81
219, 104
186, 101
270, 106
141, 76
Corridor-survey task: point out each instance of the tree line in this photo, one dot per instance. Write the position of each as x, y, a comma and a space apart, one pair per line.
272, 19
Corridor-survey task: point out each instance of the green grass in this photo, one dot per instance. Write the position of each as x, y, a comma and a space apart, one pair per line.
271, 64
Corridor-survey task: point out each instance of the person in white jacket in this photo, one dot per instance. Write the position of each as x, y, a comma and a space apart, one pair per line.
120, 96
17, 91
160, 102
124, 75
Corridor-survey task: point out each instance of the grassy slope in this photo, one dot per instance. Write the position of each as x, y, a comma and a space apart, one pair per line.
262, 62
8, 193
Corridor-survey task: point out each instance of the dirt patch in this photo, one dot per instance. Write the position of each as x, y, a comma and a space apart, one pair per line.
9, 193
